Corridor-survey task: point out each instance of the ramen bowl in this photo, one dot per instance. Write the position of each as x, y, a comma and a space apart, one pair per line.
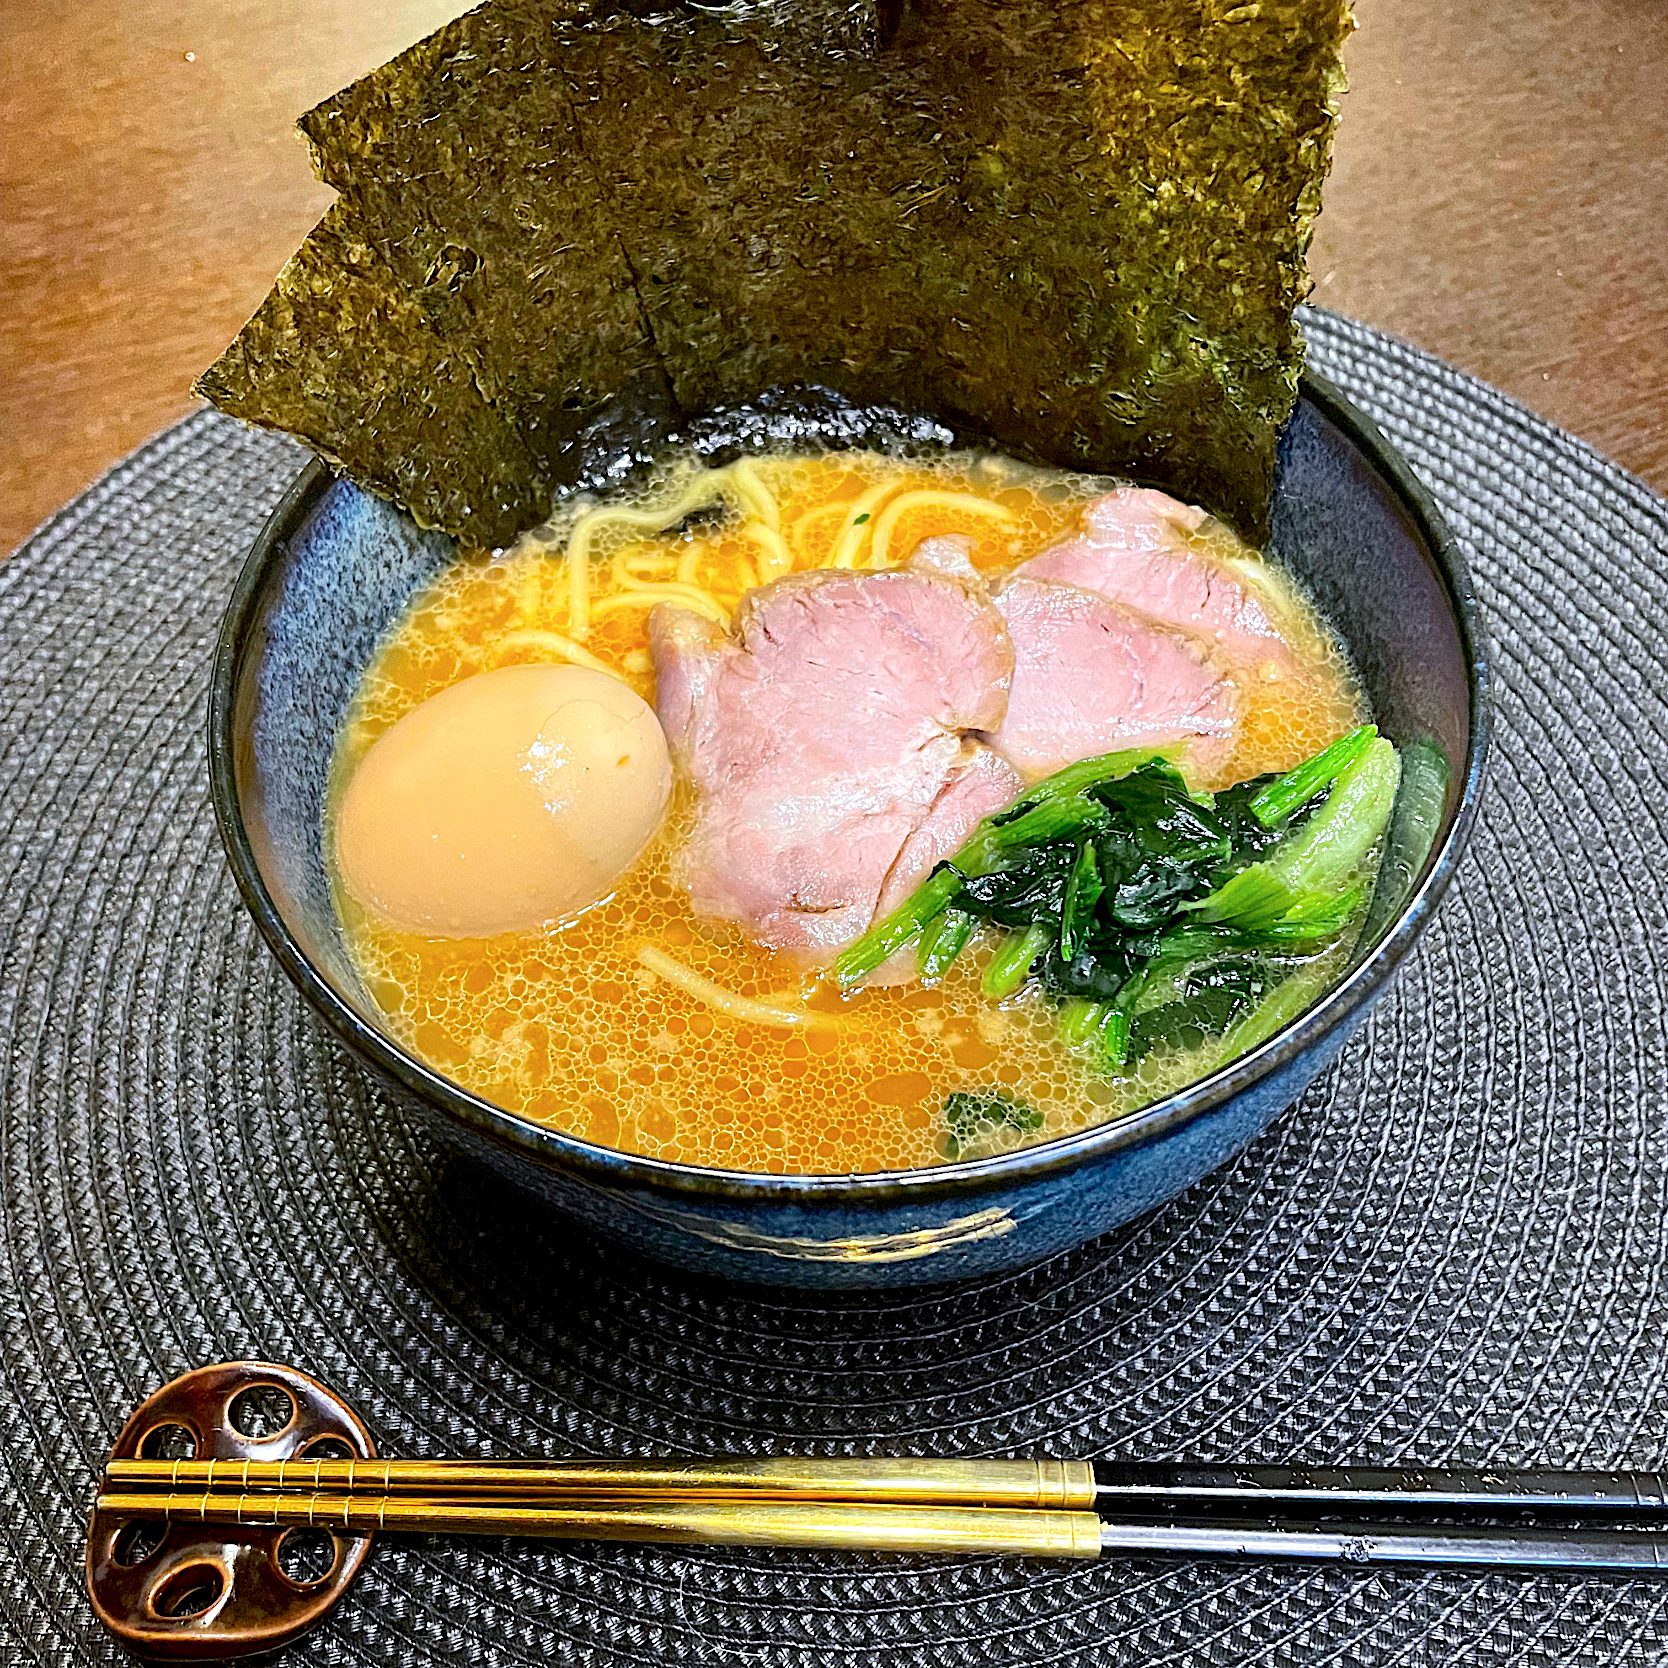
334, 568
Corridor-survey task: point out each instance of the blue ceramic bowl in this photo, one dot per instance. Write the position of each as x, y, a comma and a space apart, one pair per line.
334, 567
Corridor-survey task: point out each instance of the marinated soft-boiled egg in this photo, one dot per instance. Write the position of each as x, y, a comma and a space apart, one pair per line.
513, 798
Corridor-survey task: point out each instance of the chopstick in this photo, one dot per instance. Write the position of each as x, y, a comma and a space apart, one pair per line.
1621, 1497
1037, 1532
1609, 1522
1582, 1551
1114, 1488
1034, 1533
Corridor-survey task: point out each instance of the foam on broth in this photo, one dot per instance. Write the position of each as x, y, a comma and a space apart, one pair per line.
565, 1027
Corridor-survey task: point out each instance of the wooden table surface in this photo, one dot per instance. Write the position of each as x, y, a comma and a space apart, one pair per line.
1500, 196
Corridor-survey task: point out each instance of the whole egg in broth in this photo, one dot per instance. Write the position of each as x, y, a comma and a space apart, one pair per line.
1001, 801
510, 799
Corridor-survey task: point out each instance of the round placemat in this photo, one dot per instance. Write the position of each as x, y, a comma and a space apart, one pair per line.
1454, 1248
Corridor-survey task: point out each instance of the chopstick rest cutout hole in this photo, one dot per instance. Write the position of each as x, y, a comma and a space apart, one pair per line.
187, 1591
135, 1542
261, 1412
328, 1448
168, 1442
305, 1556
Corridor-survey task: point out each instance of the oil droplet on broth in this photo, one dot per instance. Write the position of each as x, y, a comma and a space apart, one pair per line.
563, 1025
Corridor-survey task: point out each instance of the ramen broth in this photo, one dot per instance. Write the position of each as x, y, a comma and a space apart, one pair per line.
568, 1027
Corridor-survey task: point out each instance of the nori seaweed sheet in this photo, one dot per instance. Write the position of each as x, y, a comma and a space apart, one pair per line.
1073, 226
340, 355
465, 171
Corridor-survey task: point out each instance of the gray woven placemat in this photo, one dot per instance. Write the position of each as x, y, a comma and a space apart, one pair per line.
1456, 1247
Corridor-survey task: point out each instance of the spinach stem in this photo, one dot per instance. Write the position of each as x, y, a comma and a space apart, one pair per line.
944, 940
1080, 1019
1331, 845
1013, 958
1074, 779
1299, 785
1313, 863
901, 927
1055, 807
1114, 1038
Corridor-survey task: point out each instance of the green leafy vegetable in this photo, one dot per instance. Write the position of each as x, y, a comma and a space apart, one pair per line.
1056, 808
1421, 795
1154, 916
1337, 838
1012, 961
1249, 837
944, 940
1030, 886
1084, 886
1098, 1024
1318, 857
1276, 801
1074, 780
1079, 1019
1114, 1039
899, 929
1208, 999
1161, 844
969, 1113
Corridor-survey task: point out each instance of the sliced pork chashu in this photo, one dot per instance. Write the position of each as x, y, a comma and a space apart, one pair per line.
1092, 677
1137, 549
832, 742
855, 727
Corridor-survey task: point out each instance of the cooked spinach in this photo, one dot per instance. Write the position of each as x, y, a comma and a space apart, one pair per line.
1207, 1000
1085, 886
1031, 888
1014, 959
1250, 836
1160, 846
1276, 801
944, 940
970, 1113
1152, 914
1099, 970
1055, 809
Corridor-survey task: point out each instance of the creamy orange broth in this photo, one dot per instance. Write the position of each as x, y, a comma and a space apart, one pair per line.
564, 1025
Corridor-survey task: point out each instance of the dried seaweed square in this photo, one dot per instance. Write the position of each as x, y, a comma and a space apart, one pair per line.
1075, 228
341, 356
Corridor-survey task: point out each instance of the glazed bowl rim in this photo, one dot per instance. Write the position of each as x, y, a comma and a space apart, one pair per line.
548, 1148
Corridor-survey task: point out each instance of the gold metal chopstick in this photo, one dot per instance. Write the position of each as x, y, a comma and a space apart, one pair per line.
1025, 1532
1058, 1484
1029, 1532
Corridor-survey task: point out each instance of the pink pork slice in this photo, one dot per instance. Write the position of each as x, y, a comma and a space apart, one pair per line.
985, 783
829, 733
1092, 677
1137, 549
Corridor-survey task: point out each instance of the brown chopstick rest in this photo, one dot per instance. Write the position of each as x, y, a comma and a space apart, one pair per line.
189, 1591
